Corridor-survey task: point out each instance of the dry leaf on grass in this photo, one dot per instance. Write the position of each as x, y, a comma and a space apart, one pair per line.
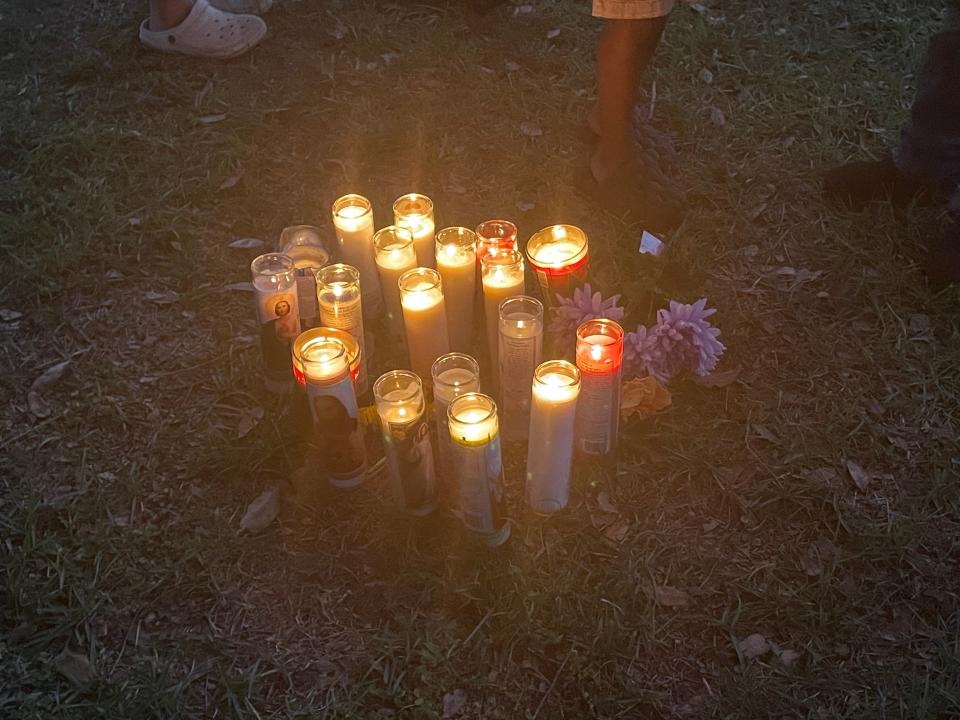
39, 407
670, 596
246, 244
753, 646
8, 315
643, 397
167, 297
230, 182
605, 503
262, 511
719, 379
530, 130
210, 119
453, 703
249, 419
75, 667
860, 477
239, 287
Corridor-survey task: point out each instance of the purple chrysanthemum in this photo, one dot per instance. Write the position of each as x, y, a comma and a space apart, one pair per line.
584, 305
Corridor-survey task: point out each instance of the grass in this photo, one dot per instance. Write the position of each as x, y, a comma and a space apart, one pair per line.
120, 512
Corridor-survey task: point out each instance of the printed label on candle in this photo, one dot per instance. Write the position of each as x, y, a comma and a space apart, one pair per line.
481, 486
597, 413
519, 357
279, 326
562, 281
307, 294
410, 456
337, 431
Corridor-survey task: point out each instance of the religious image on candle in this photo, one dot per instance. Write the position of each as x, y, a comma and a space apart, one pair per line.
301, 407
305, 246
353, 222
494, 236
456, 253
475, 432
424, 318
454, 374
338, 436
521, 347
341, 307
502, 277
406, 441
395, 255
559, 259
274, 281
556, 388
599, 356
414, 212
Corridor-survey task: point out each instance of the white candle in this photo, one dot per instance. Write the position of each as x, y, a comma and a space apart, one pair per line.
424, 318
274, 281
341, 307
521, 346
456, 250
353, 220
502, 275
395, 255
556, 387
454, 374
304, 244
415, 213
475, 434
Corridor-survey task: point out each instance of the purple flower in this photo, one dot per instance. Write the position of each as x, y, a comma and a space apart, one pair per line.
584, 305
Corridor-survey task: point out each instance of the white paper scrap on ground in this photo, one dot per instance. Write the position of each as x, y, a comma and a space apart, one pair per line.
651, 245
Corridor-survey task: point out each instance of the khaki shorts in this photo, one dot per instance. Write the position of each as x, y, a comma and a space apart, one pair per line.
631, 9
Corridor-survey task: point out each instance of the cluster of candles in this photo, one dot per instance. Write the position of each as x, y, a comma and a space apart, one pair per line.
427, 283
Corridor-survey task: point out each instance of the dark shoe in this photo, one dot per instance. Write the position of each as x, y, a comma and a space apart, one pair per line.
942, 267
858, 183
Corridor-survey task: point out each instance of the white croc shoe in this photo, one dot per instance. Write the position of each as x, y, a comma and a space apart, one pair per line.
243, 7
207, 32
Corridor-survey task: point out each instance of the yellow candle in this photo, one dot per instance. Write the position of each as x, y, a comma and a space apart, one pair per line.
415, 213
395, 255
353, 220
424, 318
457, 263
502, 276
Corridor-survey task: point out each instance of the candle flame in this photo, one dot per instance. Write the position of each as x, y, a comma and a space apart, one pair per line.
337, 290
596, 352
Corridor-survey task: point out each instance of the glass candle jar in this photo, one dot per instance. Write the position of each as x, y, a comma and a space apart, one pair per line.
395, 255
502, 277
341, 307
414, 212
556, 388
275, 286
353, 222
454, 374
559, 259
495, 235
424, 318
456, 253
521, 347
599, 357
305, 246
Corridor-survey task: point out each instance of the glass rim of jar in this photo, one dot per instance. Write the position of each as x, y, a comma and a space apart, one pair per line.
548, 235
414, 387
502, 258
428, 277
521, 300
351, 200
401, 237
564, 368
412, 199
470, 363
290, 229
477, 398
318, 334
284, 264
498, 223
330, 345
601, 326
461, 237
351, 276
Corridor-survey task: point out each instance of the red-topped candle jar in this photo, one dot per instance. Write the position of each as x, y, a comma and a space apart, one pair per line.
558, 257
599, 358
495, 235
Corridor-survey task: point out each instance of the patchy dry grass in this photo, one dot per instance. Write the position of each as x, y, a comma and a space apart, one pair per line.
120, 511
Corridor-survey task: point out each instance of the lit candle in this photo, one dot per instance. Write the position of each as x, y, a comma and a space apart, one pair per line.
521, 345
341, 307
275, 284
475, 435
305, 246
495, 235
338, 436
454, 374
599, 358
502, 276
558, 257
415, 212
317, 334
353, 220
456, 261
395, 255
556, 387
406, 441
424, 318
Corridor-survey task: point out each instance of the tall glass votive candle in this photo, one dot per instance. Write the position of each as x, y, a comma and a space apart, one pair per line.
353, 221
424, 318
415, 212
599, 357
406, 441
475, 432
495, 235
341, 307
558, 257
520, 351
305, 246
275, 285
454, 374
556, 387
502, 276
456, 250
338, 435
319, 334
395, 255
